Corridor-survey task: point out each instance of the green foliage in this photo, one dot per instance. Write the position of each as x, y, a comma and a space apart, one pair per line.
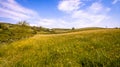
42, 30
23, 23
90, 48
73, 28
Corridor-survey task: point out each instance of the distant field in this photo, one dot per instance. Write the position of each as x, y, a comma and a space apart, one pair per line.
60, 30
89, 48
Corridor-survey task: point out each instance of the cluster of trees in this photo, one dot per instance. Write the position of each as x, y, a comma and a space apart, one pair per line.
23, 23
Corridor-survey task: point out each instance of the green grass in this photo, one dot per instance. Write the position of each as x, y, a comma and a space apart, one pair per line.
14, 32
90, 48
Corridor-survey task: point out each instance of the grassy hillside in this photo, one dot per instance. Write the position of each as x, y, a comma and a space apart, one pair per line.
90, 48
13, 32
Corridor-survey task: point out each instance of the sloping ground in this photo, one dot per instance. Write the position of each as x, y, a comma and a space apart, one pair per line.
13, 32
91, 48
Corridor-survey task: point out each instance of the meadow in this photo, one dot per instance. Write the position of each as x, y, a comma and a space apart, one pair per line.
89, 48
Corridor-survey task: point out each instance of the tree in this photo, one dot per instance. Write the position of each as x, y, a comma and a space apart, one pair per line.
23, 23
73, 28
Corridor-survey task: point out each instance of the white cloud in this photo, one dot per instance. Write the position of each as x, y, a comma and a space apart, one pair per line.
12, 10
91, 15
14, 15
96, 8
51, 23
69, 5
95, 13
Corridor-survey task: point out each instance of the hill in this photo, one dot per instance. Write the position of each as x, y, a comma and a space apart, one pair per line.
12, 32
90, 48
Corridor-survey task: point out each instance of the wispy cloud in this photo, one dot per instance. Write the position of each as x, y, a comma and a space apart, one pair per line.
88, 16
95, 13
115, 1
13, 10
51, 23
69, 5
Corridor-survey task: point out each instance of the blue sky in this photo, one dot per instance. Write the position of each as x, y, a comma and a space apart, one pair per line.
62, 13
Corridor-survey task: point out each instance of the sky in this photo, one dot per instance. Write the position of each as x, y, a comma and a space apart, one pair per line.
62, 13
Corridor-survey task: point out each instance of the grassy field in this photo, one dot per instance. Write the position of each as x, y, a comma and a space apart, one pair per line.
90, 48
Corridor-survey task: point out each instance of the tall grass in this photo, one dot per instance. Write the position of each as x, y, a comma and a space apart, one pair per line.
92, 48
